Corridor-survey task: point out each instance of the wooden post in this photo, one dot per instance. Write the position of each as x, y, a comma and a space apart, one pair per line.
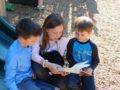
2, 8
40, 2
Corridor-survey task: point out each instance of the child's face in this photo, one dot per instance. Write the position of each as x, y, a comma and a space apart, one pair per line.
82, 36
55, 33
31, 40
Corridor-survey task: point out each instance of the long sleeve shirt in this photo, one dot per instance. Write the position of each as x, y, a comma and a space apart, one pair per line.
80, 52
17, 65
60, 46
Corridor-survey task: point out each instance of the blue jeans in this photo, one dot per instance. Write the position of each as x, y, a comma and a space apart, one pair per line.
75, 82
30, 84
88, 83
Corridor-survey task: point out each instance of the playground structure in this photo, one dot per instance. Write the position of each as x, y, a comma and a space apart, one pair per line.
7, 36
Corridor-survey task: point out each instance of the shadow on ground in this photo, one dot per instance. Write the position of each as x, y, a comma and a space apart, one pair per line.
69, 9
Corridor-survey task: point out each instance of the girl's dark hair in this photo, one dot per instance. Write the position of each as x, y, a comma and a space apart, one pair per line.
52, 21
26, 28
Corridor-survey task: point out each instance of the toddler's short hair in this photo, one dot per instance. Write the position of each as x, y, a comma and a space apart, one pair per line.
84, 24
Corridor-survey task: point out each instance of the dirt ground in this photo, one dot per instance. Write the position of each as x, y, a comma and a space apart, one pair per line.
106, 34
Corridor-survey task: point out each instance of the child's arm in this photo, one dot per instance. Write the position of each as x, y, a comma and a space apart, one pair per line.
95, 61
10, 68
69, 55
95, 57
63, 45
35, 53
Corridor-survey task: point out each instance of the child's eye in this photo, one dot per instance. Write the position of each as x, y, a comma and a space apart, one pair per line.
54, 32
57, 33
77, 34
82, 35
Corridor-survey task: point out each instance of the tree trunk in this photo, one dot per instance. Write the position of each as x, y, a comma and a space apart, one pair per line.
2, 8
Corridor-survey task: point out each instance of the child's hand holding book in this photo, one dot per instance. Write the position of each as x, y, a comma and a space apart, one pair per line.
77, 68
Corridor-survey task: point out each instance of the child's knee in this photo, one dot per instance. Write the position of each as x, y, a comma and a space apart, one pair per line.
73, 86
62, 86
57, 88
88, 83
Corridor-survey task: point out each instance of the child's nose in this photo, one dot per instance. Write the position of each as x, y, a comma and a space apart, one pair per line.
57, 35
79, 36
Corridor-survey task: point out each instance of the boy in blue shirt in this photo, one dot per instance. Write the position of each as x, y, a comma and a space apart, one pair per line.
82, 49
18, 75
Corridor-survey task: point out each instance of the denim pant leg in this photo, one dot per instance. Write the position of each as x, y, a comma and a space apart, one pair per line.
28, 84
74, 82
41, 73
59, 81
44, 86
88, 83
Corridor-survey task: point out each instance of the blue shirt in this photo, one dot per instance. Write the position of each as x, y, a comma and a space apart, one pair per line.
18, 65
82, 52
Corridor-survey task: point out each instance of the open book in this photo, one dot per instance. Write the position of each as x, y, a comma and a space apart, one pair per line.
77, 68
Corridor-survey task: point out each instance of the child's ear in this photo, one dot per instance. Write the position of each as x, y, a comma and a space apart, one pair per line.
90, 31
